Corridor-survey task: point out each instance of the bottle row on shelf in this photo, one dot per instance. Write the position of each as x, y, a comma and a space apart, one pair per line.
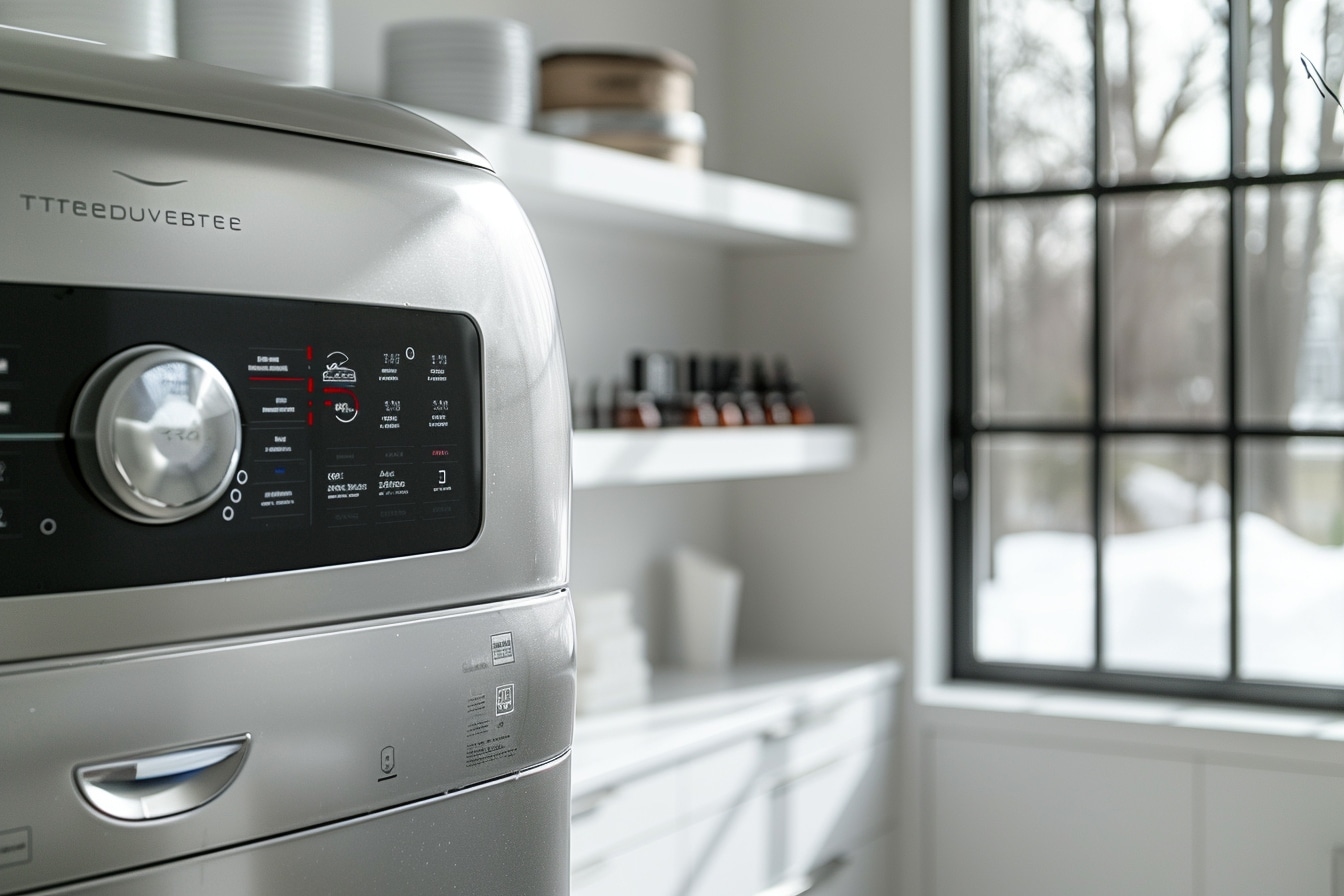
665, 390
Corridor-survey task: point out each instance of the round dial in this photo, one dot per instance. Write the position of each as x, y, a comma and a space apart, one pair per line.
158, 433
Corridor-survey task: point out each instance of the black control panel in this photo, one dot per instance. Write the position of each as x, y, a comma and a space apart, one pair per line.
361, 436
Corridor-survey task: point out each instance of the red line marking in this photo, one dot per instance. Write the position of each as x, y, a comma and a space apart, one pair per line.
331, 390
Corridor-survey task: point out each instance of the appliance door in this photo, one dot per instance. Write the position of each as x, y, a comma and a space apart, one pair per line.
505, 837
317, 761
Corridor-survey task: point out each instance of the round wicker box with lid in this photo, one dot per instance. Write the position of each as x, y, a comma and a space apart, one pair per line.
596, 78
639, 100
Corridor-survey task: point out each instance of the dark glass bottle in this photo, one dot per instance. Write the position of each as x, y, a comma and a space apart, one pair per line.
753, 412
635, 407
794, 394
777, 411
698, 405
661, 381
720, 376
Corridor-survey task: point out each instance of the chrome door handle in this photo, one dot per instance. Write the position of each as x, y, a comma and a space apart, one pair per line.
163, 783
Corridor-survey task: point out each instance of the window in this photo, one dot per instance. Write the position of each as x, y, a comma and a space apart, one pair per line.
1148, 346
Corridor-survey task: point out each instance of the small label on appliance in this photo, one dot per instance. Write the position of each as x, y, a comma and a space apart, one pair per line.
501, 648
16, 846
503, 699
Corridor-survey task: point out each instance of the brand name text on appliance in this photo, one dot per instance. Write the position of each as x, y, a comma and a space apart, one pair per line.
138, 214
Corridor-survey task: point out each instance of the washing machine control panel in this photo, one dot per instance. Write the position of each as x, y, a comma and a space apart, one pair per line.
151, 437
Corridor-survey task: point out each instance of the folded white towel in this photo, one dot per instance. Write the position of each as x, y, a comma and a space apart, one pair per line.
611, 650
607, 693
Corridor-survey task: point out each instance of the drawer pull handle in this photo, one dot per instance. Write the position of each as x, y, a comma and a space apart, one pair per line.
806, 883
164, 783
818, 718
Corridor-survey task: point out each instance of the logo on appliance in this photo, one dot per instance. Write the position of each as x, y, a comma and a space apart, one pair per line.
131, 213
336, 371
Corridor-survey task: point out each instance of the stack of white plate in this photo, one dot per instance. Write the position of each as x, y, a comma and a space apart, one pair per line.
289, 40
482, 68
142, 26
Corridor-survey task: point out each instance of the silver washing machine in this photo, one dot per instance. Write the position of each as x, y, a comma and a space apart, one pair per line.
284, 495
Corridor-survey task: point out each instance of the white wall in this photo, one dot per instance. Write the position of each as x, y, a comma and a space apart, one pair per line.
820, 98
619, 291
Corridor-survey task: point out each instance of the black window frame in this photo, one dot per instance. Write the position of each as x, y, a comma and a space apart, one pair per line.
964, 431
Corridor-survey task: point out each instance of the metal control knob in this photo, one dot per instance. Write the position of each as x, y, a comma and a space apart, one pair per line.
158, 433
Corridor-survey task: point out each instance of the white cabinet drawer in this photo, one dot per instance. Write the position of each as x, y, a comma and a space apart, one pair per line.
1272, 832
825, 732
727, 776
861, 872
606, 820
650, 868
728, 853
738, 806
832, 809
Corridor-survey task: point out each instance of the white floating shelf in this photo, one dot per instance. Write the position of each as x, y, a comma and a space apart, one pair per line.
649, 457
553, 175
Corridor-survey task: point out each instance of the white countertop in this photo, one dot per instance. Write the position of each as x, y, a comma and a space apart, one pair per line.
692, 712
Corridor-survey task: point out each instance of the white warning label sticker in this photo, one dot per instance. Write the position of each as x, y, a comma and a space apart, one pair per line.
503, 699
501, 648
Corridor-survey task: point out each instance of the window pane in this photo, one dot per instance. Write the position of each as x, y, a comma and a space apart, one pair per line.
1164, 65
1033, 309
1289, 125
1035, 559
1167, 297
1165, 557
1032, 94
1292, 326
1292, 560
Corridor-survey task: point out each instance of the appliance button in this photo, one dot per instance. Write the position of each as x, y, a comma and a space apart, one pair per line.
158, 434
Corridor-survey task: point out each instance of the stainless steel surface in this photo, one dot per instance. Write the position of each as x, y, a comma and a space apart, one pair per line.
321, 707
407, 721
316, 219
51, 67
494, 852
162, 783
159, 433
